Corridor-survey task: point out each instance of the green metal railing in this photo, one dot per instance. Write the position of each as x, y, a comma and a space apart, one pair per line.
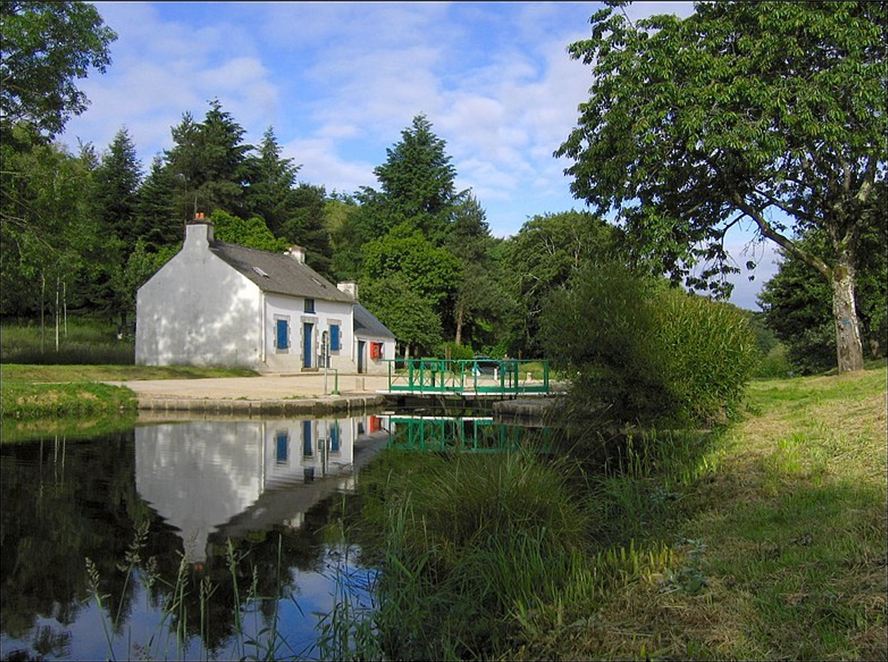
436, 434
466, 377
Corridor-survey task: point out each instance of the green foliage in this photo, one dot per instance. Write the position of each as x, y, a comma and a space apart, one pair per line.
156, 220
417, 184
641, 352
456, 351
141, 265
406, 313
543, 256
272, 181
481, 299
738, 111
209, 164
49, 234
81, 341
305, 226
468, 541
252, 232
44, 49
115, 195
404, 252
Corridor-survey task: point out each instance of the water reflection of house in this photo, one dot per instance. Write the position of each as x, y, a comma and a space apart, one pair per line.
235, 476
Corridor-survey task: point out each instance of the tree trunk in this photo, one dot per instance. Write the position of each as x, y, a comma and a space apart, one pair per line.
459, 324
849, 349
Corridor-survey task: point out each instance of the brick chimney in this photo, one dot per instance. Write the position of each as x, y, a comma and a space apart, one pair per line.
349, 287
297, 253
199, 230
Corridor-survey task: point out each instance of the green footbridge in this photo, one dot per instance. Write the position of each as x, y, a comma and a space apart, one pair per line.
467, 378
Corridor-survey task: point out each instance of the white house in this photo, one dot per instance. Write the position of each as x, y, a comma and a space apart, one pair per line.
228, 477
222, 304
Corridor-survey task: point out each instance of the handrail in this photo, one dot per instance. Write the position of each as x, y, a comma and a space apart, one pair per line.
494, 376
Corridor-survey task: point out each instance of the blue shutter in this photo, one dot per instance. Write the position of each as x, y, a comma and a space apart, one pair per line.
282, 449
283, 334
334, 437
306, 438
334, 338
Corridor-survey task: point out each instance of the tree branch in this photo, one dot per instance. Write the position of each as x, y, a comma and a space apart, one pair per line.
784, 242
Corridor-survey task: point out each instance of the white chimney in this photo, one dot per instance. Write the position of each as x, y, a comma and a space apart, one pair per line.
349, 287
199, 231
297, 253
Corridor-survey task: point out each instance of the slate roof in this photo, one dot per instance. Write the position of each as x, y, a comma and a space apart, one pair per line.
366, 324
279, 273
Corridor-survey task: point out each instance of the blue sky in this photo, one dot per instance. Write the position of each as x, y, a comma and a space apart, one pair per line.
339, 81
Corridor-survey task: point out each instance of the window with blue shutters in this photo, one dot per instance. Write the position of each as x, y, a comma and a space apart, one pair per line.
282, 447
334, 338
282, 335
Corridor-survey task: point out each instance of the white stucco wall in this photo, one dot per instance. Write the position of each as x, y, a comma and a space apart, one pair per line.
198, 310
292, 309
200, 474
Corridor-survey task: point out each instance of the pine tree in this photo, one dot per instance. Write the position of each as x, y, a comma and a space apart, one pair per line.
417, 182
209, 163
157, 221
116, 190
273, 180
306, 226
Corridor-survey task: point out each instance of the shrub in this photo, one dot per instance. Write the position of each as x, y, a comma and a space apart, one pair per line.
640, 352
457, 352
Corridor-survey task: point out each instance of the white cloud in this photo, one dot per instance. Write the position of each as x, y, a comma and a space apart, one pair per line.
321, 164
162, 68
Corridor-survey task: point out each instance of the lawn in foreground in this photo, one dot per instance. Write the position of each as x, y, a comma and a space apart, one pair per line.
783, 545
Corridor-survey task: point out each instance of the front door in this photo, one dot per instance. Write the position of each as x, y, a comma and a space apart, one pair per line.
307, 334
361, 344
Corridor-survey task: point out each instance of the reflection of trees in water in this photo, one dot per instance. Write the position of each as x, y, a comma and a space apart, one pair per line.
63, 502
256, 557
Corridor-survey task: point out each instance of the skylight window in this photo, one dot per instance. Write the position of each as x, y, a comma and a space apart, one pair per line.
261, 272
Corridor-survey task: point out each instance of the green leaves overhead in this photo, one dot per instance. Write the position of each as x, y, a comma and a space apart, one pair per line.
772, 113
45, 47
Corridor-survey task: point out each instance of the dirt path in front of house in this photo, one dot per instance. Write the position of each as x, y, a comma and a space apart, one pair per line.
255, 388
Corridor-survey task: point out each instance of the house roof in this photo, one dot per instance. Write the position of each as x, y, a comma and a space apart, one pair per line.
278, 273
366, 324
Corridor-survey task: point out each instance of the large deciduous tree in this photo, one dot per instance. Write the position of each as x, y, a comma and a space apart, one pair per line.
770, 112
45, 47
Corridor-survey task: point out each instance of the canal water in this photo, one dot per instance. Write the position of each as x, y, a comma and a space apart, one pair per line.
193, 539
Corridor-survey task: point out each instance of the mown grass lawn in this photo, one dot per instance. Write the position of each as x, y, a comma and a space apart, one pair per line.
786, 532
29, 392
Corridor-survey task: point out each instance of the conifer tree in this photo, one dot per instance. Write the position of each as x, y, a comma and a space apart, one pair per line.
417, 185
116, 186
272, 183
156, 219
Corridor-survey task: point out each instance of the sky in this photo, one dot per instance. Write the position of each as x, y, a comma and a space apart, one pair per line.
339, 81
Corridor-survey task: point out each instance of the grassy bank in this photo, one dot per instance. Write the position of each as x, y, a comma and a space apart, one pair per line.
29, 401
30, 392
764, 540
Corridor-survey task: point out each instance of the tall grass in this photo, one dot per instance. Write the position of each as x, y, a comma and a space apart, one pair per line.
84, 341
